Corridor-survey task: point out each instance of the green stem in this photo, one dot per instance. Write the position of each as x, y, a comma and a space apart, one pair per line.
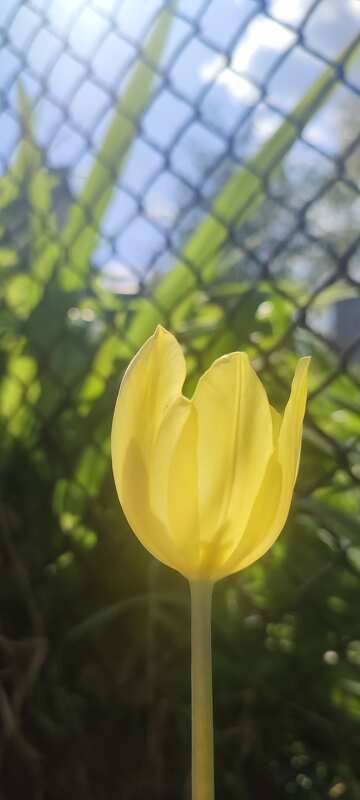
201, 692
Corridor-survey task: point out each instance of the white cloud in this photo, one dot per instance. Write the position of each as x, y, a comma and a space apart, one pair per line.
355, 7
160, 208
262, 34
212, 69
291, 12
119, 278
216, 72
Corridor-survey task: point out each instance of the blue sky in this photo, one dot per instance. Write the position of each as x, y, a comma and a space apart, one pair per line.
221, 54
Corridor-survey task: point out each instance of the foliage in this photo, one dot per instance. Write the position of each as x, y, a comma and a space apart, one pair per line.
95, 694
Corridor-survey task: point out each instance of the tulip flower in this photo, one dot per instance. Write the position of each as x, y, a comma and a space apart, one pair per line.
205, 483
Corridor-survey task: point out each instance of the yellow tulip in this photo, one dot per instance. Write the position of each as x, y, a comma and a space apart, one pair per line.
206, 484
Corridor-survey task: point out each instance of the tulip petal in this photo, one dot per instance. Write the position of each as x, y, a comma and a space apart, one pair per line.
276, 423
152, 382
261, 530
175, 480
235, 442
291, 427
289, 446
272, 505
137, 507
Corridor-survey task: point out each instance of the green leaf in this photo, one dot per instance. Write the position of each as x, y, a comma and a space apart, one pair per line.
340, 523
21, 293
28, 158
108, 615
341, 290
8, 257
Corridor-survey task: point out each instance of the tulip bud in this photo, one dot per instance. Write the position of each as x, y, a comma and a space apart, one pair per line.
206, 484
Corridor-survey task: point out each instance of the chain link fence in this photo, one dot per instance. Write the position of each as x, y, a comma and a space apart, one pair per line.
195, 164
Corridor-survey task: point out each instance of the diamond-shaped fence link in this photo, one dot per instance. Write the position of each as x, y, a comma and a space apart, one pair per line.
194, 164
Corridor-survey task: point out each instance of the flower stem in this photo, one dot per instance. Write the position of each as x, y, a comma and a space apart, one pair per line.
201, 691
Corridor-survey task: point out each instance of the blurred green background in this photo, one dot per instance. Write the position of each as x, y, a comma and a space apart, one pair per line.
194, 164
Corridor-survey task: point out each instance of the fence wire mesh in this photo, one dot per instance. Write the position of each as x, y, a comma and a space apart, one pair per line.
194, 164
